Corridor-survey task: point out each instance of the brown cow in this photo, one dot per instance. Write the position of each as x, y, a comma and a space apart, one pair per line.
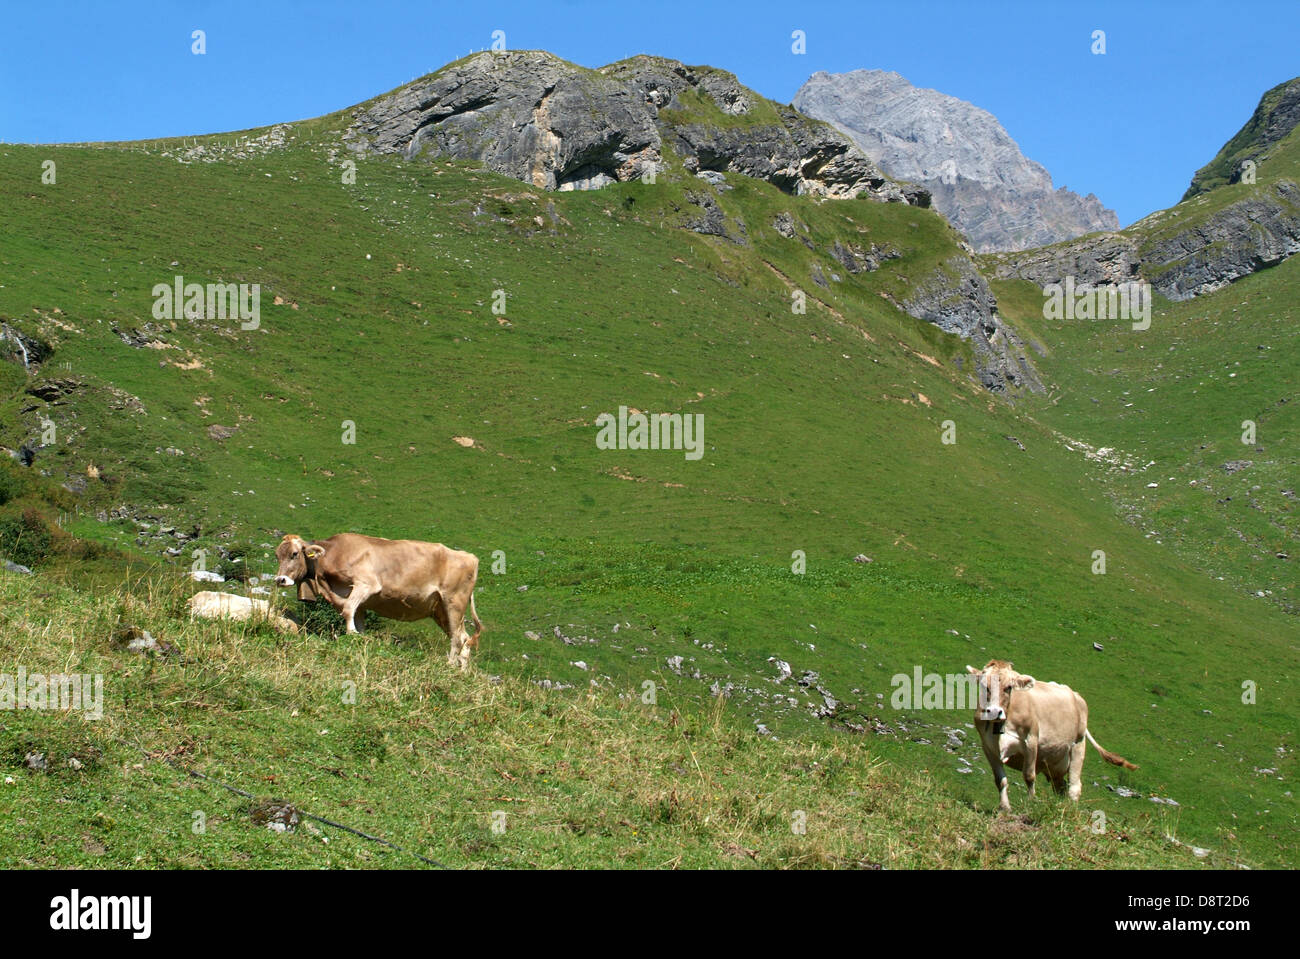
1033, 726
397, 578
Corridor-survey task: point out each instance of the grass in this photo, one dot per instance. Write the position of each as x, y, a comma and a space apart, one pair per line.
822, 436
430, 760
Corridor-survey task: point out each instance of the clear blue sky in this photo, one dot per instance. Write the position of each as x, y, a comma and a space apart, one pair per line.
1177, 80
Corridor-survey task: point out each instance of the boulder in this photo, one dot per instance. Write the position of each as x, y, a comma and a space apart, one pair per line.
213, 605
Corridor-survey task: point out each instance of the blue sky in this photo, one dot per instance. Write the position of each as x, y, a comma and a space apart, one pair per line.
1176, 81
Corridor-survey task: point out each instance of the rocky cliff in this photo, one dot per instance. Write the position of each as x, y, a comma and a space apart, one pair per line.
537, 118
957, 299
976, 173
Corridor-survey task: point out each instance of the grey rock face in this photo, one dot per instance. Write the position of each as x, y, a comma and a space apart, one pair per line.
856, 259
712, 220
1259, 230
1244, 237
960, 154
529, 116
957, 299
537, 118
1096, 260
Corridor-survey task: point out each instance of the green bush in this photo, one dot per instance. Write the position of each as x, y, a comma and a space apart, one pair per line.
12, 483
25, 538
322, 619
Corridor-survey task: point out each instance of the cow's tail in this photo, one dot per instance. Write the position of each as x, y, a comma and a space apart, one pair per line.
1107, 755
478, 623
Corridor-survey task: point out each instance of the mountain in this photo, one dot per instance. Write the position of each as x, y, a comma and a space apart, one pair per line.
537, 118
439, 333
1226, 227
1275, 117
977, 175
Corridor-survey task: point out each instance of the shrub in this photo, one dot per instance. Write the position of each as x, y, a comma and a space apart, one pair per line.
25, 538
12, 484
322, 619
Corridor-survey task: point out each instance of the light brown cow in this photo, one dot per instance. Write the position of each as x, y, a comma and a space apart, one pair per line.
397, 578
1033, 726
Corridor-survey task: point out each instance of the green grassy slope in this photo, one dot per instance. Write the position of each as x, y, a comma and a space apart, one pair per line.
430, 760
822, 434
1251, 142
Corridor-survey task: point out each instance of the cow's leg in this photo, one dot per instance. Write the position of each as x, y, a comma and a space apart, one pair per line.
466, 647
1000, 780
999, 774
1076, 769
458, 655
360, 593
1030, 769
440, 615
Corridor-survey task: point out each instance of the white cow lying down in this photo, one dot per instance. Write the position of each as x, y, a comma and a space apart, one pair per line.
213, 605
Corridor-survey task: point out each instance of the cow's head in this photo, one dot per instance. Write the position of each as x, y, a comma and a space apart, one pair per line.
997, 681
296, 560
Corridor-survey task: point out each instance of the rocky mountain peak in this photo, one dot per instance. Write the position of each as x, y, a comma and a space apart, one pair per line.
540, 119
960, 153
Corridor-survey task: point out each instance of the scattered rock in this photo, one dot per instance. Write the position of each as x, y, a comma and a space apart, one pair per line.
276, 815
218, 432
782, 668
52, 390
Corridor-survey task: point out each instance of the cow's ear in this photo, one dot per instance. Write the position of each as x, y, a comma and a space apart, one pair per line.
314, 552
1024, 682
972, 670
